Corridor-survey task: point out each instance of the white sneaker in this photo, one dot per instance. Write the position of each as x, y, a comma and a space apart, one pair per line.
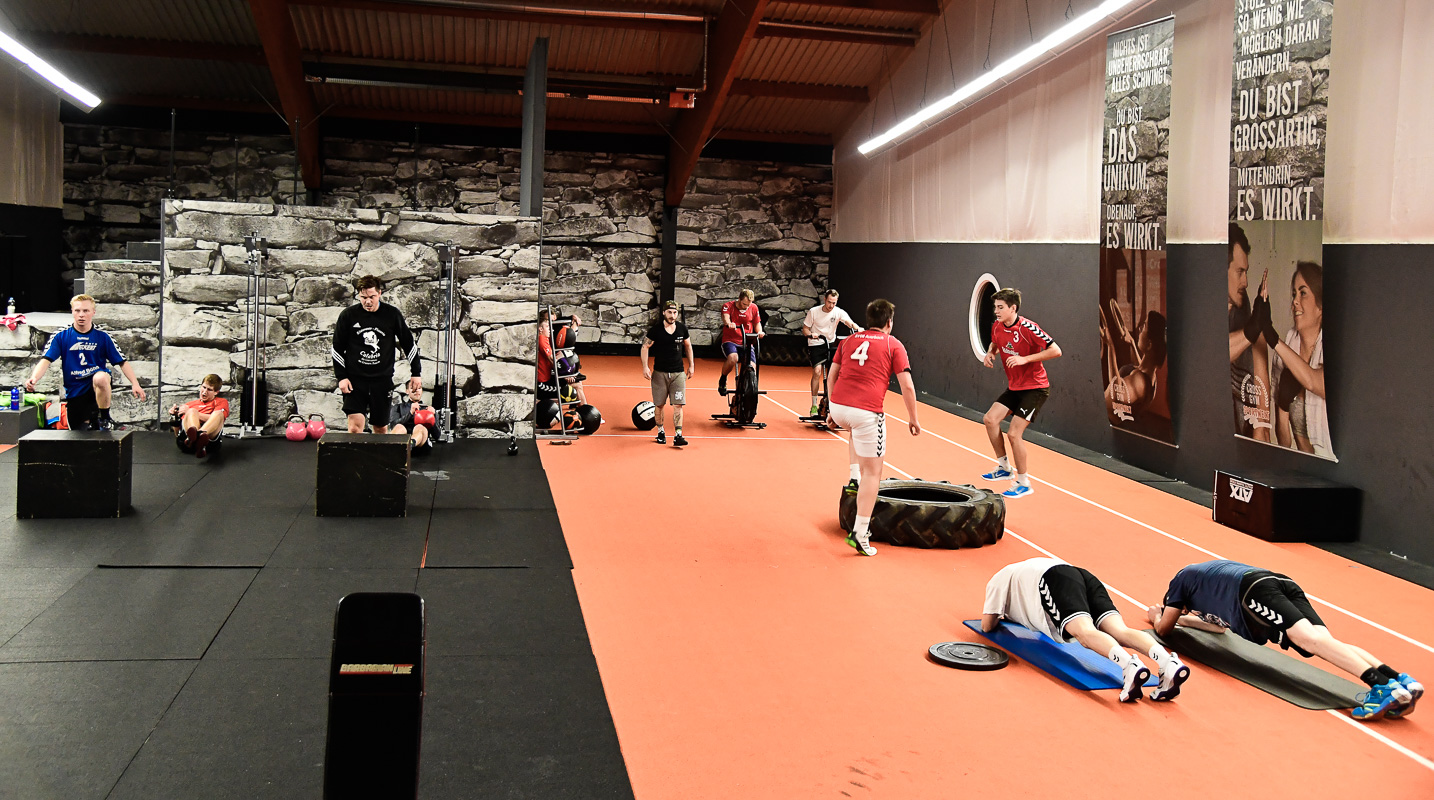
1172, 676
862, 542
998, 474
1136, 674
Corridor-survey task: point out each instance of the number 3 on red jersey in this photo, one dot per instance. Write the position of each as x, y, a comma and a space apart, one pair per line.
859, 354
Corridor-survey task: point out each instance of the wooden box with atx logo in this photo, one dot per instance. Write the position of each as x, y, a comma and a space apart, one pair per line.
1287, 506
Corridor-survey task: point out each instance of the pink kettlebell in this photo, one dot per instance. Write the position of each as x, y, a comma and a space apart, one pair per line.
316, 426
296, 431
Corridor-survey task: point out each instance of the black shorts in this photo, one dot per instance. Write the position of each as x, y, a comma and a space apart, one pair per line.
1024, 403
818, 355
82, 411
1069, 591
370, 397
1272, 604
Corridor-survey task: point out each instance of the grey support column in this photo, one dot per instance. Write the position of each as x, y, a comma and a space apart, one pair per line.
535, 123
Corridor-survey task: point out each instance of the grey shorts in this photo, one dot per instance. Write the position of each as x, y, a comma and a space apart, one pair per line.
669, 386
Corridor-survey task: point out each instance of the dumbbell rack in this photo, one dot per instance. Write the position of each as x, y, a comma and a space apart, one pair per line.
257, 259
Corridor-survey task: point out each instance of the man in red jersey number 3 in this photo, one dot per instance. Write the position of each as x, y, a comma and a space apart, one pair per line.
1020, 345
860, 373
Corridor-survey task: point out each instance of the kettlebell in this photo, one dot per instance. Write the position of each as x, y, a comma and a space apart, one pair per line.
316, 427
426, 418
296, 431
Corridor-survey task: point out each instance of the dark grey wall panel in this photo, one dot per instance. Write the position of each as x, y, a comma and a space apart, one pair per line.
1376, 313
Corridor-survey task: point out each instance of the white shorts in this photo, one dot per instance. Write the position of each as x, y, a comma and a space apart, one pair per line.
868, 429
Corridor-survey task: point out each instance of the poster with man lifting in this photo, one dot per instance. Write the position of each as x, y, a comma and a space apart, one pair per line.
1275, 275
1134, 171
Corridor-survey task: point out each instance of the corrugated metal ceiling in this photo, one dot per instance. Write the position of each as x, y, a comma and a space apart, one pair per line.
216, 21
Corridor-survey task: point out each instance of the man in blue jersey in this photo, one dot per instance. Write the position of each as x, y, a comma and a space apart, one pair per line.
1262, 606
85, 355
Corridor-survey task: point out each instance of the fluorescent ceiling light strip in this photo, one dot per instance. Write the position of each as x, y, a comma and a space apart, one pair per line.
24, 55
1047, 45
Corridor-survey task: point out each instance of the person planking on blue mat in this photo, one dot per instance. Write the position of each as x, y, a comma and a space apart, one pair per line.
1263, 606
85, 354
1066, 603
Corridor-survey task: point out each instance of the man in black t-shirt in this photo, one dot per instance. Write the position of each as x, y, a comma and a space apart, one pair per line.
670, 344
365, 339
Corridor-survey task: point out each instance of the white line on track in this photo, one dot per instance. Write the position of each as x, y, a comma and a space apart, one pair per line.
722, 438
1364, 727
1132, 520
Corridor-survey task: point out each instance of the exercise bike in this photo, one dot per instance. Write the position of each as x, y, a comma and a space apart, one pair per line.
742, 401
819, 419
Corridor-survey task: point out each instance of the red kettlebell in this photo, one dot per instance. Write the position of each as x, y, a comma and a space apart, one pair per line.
425, 417
295, 431
317, 428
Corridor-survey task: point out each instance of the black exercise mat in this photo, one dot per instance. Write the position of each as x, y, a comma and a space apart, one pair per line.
530, 726
503, 538
157, 447
493, 489
1288, 678
115, 614
62, 542
502, 612
25, 592
69, 730
240, 729
353, 542
194, 532
289, 613
480, 454
157, 486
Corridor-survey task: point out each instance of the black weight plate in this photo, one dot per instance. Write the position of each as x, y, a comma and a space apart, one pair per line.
966, 655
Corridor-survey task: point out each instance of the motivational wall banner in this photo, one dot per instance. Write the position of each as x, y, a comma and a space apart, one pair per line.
1134, 172
1275, 277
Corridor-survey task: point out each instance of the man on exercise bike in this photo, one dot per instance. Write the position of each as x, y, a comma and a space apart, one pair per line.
738, 317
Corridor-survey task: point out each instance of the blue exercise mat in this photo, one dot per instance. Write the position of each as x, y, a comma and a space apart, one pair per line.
1071, 663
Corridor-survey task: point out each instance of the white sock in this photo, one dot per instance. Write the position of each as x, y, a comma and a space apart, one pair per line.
863, 524
1003, 463
856, 472
1161, 656
1120, 656
816, 399
1024, 479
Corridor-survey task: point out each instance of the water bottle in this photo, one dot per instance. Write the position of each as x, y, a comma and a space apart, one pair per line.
15, 399
10, 308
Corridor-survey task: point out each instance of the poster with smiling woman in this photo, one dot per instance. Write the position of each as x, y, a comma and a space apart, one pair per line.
1286, 296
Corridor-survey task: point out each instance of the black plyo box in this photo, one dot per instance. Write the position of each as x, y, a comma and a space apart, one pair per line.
1287, 506
14, 424
74, 474
362, 475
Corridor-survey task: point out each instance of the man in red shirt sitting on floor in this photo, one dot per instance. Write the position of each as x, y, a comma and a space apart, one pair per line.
1022, 346
201, 421
861, 370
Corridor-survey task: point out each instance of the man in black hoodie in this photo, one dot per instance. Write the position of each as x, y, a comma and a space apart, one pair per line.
365, 339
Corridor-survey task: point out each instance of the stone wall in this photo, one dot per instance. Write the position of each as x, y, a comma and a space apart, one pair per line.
115, 179
315, 255
757, 224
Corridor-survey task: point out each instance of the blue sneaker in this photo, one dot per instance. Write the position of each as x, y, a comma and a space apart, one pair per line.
1377, 701
1415, 690
1017, 490
998, 474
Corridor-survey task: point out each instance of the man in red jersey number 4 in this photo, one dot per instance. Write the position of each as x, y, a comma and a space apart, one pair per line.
860, 373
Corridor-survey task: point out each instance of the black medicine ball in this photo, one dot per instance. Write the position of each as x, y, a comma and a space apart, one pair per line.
644, 416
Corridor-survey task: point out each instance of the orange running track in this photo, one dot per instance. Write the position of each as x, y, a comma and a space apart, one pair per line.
748, 652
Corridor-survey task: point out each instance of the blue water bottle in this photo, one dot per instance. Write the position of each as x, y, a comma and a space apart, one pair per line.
15, 399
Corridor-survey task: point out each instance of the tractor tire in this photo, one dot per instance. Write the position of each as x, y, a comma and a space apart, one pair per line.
927, 514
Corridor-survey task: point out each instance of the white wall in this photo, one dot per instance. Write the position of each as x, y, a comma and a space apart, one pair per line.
1023, 165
